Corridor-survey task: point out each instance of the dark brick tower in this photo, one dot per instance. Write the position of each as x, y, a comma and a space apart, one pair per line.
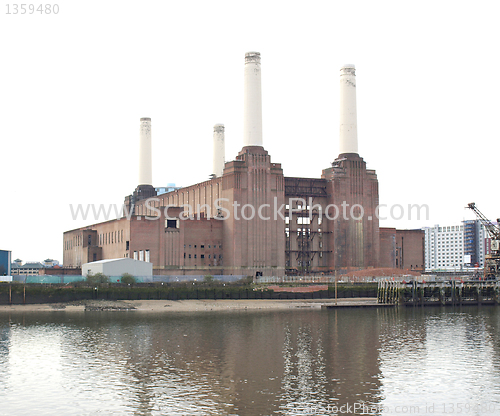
253, 234
353, 189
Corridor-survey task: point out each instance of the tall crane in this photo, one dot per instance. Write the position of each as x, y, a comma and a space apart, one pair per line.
491, 260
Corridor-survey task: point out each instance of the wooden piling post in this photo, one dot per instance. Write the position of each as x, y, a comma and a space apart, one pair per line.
335, 287
452, 292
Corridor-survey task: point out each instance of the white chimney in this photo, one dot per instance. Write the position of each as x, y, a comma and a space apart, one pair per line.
348, 118
252, 121
219, 150
145, 168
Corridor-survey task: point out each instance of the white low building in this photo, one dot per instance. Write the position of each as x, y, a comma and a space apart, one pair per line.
117, 267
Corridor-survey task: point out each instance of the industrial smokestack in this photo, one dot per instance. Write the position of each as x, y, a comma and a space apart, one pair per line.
348, 118
145, 169
219, 150
252, 122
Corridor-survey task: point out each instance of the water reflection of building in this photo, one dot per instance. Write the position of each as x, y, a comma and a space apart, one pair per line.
240, 362
252, 363
353, 355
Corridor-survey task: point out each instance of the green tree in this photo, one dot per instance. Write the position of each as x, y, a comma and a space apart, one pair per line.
98, 278
128, 279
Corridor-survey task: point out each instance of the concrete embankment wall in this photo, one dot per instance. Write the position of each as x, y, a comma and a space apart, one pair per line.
42, 293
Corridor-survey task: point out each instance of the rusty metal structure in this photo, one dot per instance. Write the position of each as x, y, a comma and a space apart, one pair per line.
306, 248
491, 260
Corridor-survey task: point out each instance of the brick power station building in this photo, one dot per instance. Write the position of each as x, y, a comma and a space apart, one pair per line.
250, 219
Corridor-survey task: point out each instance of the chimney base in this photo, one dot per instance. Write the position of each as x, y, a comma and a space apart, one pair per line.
144, 192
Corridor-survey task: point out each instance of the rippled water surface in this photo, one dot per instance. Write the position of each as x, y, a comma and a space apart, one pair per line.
377, 361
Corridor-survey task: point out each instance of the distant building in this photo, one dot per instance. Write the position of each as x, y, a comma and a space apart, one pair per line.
476, 243
166, 189
444, 247
27, 269
48, 266
5, 260
50, 263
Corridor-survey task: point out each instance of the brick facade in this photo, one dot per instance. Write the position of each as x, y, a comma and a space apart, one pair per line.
410, 249
354, 239
224, 233
387, 247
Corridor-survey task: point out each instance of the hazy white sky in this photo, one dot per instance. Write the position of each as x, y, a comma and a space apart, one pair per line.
74, 86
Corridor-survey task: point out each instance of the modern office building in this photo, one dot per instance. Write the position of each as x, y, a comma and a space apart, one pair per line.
5, 261
444, 247
474, 243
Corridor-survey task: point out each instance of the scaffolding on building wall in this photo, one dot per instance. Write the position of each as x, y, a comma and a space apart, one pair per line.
304, 225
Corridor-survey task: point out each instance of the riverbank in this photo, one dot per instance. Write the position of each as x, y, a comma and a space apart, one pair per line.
33, 293
168, 306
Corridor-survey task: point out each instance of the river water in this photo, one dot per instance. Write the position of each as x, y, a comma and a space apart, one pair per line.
292, 362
